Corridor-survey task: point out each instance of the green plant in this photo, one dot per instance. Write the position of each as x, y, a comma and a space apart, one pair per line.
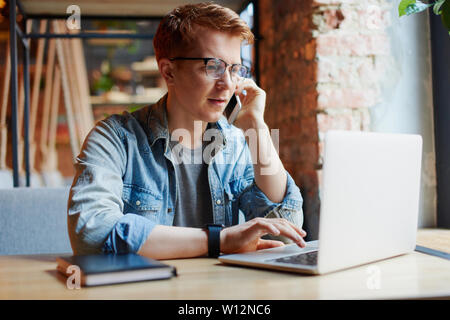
440, 7
104, 83
133, 108
119, 25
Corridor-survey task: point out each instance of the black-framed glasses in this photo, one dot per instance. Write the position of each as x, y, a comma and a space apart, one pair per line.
215, 68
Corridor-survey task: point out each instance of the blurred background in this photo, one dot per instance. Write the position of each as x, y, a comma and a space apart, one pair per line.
325, 64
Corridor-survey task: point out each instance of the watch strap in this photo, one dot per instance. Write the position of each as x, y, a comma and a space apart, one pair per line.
214, 239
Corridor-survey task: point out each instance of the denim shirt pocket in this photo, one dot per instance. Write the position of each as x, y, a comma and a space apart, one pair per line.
141, 201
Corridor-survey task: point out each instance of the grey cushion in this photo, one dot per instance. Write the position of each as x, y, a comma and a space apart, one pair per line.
34, 221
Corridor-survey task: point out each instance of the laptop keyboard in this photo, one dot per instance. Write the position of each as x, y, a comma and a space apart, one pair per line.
309, 258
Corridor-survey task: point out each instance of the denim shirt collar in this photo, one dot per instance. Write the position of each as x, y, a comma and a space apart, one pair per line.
158, 124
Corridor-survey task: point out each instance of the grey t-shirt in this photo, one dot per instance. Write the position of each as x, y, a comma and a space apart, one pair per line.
193, 207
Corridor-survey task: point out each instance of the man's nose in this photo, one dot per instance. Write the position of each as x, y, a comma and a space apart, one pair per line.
226, 81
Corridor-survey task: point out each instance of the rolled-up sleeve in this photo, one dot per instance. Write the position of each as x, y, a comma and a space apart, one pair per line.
254, 203
128, 234
96, 222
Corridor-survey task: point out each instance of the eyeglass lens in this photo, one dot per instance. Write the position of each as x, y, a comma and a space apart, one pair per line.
215, 68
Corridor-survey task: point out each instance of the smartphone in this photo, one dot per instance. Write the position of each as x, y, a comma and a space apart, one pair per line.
232, 109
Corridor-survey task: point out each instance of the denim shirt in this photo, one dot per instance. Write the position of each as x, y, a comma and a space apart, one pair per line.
125, 182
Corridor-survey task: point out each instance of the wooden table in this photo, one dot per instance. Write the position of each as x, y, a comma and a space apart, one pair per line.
414, 275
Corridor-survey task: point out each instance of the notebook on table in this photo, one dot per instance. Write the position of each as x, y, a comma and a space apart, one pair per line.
105, 269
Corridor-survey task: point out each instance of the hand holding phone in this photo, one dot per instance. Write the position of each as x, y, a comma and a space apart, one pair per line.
232, 109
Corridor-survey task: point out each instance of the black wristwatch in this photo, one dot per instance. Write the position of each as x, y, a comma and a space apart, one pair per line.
214, 239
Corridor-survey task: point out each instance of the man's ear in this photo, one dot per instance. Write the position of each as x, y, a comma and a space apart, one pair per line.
166, 68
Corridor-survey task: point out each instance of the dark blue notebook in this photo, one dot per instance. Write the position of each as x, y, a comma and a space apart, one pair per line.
114, 268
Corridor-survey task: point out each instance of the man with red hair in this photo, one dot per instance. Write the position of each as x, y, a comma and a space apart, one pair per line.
136, 187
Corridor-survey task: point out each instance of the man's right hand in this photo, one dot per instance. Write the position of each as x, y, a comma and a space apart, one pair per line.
247, 236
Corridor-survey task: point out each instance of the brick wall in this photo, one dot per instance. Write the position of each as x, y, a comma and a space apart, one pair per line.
320, 63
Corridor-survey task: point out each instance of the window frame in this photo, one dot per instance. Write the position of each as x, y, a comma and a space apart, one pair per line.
440, 51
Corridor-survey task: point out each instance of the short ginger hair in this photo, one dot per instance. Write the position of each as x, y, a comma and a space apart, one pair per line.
176, 31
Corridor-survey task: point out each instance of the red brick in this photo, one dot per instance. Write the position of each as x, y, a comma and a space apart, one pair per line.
328, 2
327, 122
347, 98
333, 18
352, 44
310, 50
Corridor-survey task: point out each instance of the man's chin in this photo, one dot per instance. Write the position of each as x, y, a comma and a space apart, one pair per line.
212, 117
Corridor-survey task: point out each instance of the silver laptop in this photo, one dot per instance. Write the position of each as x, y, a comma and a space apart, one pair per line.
369, 206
